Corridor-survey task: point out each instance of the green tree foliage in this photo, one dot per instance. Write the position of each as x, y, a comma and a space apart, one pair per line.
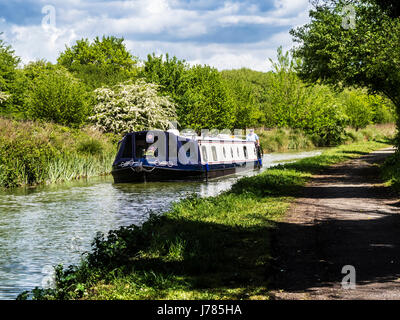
391, 7
24, 84
382, 108
358, 109
291, 103
58, 96
8, 69
200, 93
245, 96
364, 56
132, 106
205, 102
362, 108
167, 72
104, 61
202, 97
286, 93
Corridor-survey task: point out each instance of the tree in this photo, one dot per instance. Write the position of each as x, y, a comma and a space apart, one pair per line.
24, 83
382, 109
245, 95
367, 55
132, 106
8, 69
357, 108
105, 61
287, 94
57, 96
204, 101
201, 96
167, 72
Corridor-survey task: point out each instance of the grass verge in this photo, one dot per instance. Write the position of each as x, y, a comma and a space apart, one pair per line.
284, 139
391, 171
203, 248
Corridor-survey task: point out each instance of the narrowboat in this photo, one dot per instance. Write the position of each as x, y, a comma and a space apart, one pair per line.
169, 155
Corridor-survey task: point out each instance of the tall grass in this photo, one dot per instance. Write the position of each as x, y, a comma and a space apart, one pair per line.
282, 139
35, 153
377, 132
286, 139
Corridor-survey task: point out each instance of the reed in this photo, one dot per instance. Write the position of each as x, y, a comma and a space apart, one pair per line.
39, 153
283, 139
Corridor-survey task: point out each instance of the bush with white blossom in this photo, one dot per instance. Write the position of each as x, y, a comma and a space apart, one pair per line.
4, 97
132, 106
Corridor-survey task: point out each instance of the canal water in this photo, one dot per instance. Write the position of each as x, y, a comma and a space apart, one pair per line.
49, 225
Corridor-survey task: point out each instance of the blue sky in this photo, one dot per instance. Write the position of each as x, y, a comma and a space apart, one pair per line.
225, 34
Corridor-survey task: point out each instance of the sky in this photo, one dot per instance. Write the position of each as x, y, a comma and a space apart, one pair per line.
226, 34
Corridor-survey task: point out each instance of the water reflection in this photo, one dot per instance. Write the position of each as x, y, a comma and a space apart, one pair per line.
47, 225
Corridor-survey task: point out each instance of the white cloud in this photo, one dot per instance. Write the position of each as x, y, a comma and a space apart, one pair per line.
163, 26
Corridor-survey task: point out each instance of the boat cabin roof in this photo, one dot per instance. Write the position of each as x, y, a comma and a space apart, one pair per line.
220, 137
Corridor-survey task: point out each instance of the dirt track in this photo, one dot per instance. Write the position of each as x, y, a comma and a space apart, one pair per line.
344, 217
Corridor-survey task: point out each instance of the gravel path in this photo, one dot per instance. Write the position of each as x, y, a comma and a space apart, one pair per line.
345, 216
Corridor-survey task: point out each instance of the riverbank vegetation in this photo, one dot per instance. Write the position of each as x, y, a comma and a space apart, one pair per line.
391, 171
38, 152
101, 84
202, 97
203, 248
286, 139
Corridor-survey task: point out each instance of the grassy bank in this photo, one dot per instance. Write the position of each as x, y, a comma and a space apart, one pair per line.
283, 139
34, 152
203, 248
391, 171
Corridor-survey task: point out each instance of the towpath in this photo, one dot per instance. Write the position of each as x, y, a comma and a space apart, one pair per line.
345, 217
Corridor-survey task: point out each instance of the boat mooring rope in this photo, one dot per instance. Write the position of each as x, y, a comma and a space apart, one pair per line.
140, 168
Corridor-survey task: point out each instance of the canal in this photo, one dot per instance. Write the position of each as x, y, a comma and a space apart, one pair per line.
48, 225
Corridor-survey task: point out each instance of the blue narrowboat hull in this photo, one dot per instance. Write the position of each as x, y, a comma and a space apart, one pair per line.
143, 173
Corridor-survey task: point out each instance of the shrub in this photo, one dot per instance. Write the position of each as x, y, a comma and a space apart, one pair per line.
132, 106
90, 146
8, 69
57, 96
34, 152
4, 97
357, 108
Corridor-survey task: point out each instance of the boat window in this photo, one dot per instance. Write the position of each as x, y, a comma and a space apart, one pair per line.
245, 152
214, 153
128, 150
223, 150
204, 153
232, 152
